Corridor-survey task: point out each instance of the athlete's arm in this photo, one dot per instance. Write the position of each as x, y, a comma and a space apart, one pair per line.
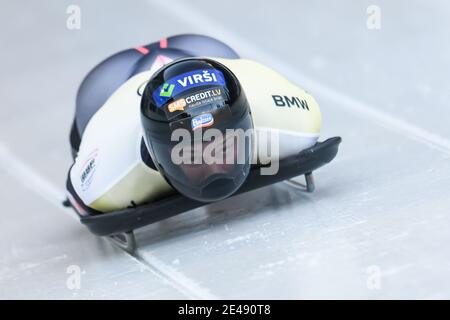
279, 107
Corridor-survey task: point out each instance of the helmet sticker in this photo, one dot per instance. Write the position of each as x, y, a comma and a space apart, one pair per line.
88, 169
201, 121
177, 105
185, 82
218, 116
166, 90
199, 98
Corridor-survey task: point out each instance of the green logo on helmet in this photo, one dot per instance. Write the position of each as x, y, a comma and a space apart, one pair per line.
166, 90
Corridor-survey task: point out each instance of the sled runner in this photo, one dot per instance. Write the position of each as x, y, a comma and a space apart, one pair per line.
119, 225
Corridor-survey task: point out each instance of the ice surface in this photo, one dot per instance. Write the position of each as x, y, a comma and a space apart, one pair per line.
377, 225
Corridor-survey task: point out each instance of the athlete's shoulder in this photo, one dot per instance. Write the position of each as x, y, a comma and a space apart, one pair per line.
275, 101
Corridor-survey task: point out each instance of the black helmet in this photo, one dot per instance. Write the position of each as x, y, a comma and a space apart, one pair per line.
189, 109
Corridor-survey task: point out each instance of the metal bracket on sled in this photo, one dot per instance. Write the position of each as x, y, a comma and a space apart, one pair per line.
309, 187
125, 241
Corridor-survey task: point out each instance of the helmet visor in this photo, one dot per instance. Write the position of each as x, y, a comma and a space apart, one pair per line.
206, 163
